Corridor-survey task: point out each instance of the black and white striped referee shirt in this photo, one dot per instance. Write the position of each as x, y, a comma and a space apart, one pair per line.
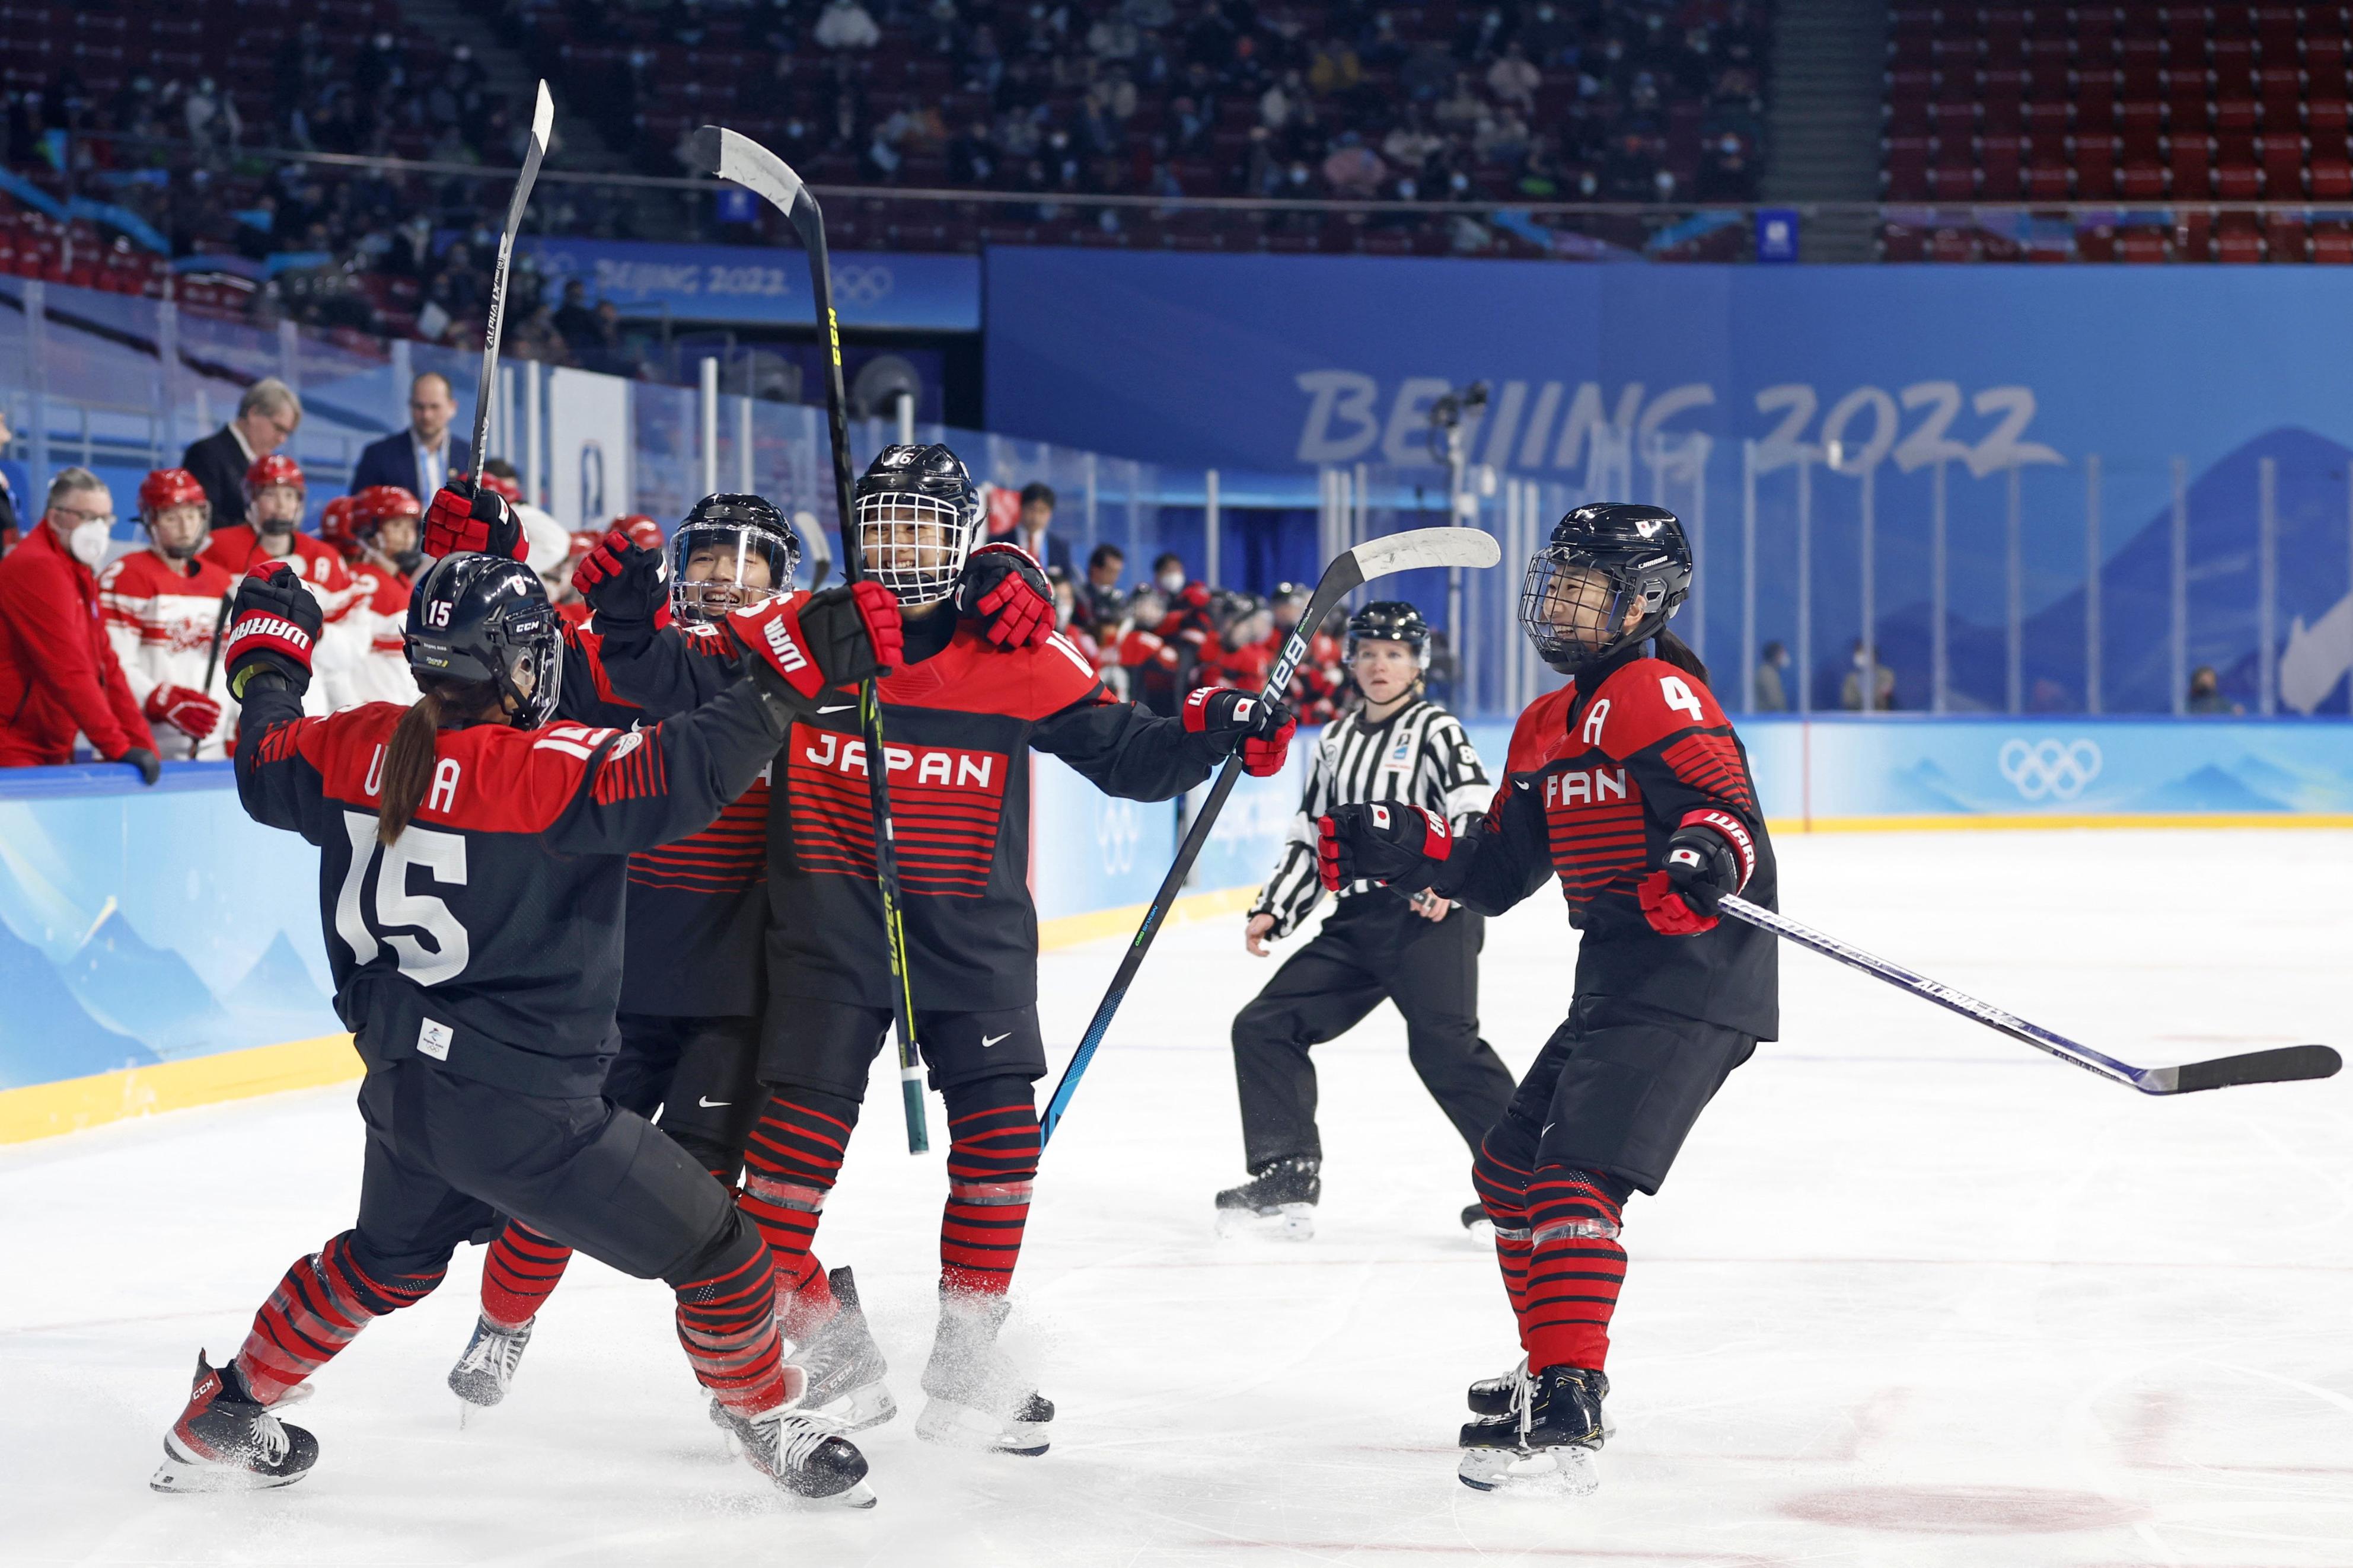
1418, 755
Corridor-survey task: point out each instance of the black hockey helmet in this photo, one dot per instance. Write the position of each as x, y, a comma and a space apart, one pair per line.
485, 619
733, 551
1391, 620
1289, 601
1604, 561
927, 489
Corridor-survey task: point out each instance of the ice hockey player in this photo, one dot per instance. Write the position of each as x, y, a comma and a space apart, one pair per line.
692, 946
471, 866
376, 531
163, 614
1629, 785
1421, 953
986, 680
274, 491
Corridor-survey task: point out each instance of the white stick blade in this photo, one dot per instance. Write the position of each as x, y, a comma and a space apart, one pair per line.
543, 116
1425, 547
732, 156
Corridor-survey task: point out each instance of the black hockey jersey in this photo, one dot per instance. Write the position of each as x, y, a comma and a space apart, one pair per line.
697, 908
488, 936
1591, 792
958, 722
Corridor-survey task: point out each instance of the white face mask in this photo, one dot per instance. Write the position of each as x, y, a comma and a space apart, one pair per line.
1171, 580
87, 542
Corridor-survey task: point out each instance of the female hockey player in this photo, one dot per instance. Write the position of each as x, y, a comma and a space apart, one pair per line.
471, 863
985, 681
691, 990
162, 607
274, 492
1422, 954
375, 532
1629, 785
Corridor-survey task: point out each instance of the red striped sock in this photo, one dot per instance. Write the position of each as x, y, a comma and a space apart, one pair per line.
991, 1167
727, 1324
790, 1164
1575, 1271
520, 1271
1503, 1192
320, 1306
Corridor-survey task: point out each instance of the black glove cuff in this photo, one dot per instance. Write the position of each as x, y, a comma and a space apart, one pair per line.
263, 670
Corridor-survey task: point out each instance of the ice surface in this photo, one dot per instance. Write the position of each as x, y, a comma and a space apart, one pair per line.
1913, 1296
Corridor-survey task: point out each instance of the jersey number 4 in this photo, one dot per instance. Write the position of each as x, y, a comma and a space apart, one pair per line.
442, 857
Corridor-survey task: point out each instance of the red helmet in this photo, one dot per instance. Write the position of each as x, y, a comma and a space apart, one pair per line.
336, 526
585, 541
379, 504
643, 531
169, 487
505, 486
272, 471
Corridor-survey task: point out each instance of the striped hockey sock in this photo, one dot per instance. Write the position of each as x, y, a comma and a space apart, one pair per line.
991, 1167
1575, 1269
1503, 1192
727, 1324
790, 1164
320, 1306
520, 1271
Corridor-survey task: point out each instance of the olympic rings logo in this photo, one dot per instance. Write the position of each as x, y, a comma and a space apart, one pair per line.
1118, 835
861, 285
2058, 769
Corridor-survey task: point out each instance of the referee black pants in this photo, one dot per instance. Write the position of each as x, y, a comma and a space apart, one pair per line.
1372, 948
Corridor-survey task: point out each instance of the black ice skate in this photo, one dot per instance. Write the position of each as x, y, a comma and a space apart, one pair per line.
1544, 1446
482, 1374
801, 1457
844, 1367
980, 1399
1278, 1200
1474, 1215
1494, 1395
226, 1440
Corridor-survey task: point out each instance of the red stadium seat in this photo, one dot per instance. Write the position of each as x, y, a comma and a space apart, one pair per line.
2048, 179
2331, 181
1952, 182
2193, 169
2237, 114
2239, 182
2141, 245
2231, 66
2096, 106
2141, 181
2332, 243
2284, 240
2238, 240
2095, 168
2000, 160
2193, 238
1904, 162
2283, 158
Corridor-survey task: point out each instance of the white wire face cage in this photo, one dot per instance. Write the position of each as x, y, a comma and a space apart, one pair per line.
1575, 608
914, 544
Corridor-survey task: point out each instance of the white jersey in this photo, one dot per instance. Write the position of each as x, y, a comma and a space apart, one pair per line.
376, 669
161, 616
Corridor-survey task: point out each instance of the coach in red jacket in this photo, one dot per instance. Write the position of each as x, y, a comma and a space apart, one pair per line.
58, 676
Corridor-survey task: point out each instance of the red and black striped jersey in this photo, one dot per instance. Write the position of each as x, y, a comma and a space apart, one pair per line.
959, 720
697, 907
1591, 792
488, 935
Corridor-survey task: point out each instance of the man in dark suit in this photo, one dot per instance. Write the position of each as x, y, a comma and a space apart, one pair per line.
420, 459
1034, 532
267, 417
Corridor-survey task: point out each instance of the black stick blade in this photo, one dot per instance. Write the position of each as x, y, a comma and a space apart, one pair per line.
703, 149
2286, 1064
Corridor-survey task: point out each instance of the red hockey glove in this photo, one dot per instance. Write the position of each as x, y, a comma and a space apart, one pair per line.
1387, 841
1260, 728
815, 642
192, 713
466, 517
1002, 586
1711, 854
274, 626
625, 583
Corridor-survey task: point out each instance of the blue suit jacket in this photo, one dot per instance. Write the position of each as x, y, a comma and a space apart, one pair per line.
392, 462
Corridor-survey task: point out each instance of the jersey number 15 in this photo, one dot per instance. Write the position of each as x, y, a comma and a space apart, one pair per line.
442, 855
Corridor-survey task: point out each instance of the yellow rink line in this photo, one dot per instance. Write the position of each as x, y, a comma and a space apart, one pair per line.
45, 1109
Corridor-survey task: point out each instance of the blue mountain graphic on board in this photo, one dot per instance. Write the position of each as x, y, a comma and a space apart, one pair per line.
147, 991
44, 1035
2210, 788
278, 1001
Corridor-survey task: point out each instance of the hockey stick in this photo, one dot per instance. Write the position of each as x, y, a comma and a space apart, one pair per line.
2284, 1064
543, 119
743, 161
212, 663
1349, 570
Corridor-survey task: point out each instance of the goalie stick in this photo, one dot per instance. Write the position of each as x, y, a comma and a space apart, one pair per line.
1349, 570
543, 120
2282, 1064
737, 158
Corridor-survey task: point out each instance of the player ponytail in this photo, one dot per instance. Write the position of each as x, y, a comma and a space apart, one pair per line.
408, 761
1677, 652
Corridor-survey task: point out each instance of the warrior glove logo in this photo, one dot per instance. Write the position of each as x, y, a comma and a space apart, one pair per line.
789, 656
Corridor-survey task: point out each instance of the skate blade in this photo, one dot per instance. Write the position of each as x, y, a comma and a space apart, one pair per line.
856, 1411
1543, 1472
859, 1495
179, 1475
1287, 1222
963, 1427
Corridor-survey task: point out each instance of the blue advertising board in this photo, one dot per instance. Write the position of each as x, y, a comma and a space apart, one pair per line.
760, 287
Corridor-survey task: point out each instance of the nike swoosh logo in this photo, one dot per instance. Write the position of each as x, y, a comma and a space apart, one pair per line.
837, 708
713, 1104
1522, 783
989, 1040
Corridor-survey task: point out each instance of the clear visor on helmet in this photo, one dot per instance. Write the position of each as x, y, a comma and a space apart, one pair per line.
914, 544
718, 567
1574, 609
535, 669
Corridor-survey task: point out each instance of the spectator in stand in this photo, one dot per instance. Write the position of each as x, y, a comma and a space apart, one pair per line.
1772, 693
1034, 532
1353, 171
420, 459
1101, 604
164, 614
1154, 667
845, 25
574, 321
59, 674
2206, 699
1238, 656
1883, 682
1513, 79
11, 515
267, 417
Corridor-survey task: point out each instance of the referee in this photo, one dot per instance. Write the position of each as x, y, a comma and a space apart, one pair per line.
1422, 956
